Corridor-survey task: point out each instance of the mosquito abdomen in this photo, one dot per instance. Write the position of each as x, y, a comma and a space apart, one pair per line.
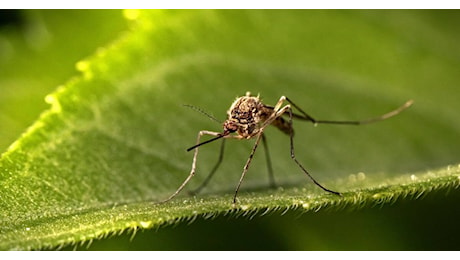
282, 125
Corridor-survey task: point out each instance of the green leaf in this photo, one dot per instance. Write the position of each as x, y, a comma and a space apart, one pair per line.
39, 52
113, 142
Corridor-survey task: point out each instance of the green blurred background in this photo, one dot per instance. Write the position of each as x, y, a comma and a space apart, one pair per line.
39, 50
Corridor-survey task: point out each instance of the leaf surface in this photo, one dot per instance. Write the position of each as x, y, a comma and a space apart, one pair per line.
113, 142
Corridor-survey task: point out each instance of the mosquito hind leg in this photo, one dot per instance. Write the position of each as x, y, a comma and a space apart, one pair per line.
307, 117
291, 137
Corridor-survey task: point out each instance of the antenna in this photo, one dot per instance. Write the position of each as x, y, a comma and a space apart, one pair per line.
202, 112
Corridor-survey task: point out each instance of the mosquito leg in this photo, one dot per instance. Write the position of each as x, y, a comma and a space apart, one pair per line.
246, 166
206, 181
291, 136
307, 117
192, 171
271, 177
304, 116
278, 113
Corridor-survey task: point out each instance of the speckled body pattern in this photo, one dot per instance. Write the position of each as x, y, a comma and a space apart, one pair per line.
247, 114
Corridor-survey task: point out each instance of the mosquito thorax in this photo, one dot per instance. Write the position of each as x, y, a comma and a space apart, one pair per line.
245, 115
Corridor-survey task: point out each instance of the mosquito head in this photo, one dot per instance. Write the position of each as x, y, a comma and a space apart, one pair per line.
230, 126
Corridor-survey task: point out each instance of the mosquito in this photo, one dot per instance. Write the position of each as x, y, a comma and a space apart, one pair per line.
248, 117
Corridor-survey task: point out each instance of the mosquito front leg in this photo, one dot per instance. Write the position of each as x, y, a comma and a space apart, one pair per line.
192, 171
214, 169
